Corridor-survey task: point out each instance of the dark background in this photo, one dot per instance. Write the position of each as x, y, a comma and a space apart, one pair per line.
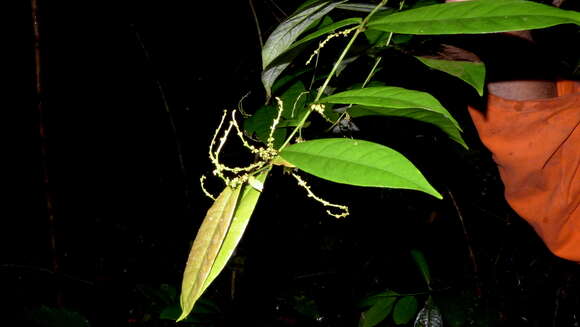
126, 212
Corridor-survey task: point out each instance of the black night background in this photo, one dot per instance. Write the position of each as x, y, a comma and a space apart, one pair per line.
123, 178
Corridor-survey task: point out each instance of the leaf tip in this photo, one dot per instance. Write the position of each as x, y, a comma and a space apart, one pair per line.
183, 315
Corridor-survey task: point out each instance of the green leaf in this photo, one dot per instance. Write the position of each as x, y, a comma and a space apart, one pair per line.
206, 246
379, 311
369, 301
405, 310
390, 97
471, 17
422, 264
246, 205
294, 101
357, 162
259, 125
377, 38
282, 38
472, 73
400, 102
289, 78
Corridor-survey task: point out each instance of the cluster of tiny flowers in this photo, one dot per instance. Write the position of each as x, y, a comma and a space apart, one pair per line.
322, 43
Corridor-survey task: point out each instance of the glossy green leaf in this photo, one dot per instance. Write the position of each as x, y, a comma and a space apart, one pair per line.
244, 209
390, 97
405, 310
400, 102
379, 311
205, 248
472, 73
294, 101
478, 16
357, 162
279, 42
422, 264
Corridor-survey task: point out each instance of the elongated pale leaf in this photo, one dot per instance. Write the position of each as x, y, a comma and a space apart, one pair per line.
380, 310
478, 16
357, 162
246, 204
206, 246
400, 102
279, 42
271, 73
405, 309
289, 30
472, 73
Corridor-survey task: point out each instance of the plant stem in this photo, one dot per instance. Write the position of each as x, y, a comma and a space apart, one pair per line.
468, 242
48, 195
333, 71
257, 23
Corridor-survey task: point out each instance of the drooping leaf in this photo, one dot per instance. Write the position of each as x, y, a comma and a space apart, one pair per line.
472, 73
400, 102
271, 73
357, 162
282, 38
426, 116
244, 209
390, 97
205, 248
422, 264
379, 311
405, 309
472, 17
